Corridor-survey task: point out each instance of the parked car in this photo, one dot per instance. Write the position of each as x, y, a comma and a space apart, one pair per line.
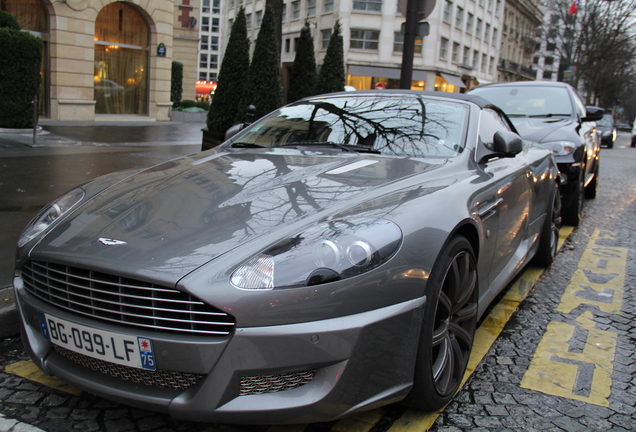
330, 258
553, 114
625, 127
607, 130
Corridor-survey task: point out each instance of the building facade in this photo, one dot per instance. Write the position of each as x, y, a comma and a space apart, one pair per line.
522, 20
110, 59
459, 52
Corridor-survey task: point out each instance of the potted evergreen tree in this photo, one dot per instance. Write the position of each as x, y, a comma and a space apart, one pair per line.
332, 73
303, 74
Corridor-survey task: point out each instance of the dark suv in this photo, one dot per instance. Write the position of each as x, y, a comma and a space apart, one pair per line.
553, 114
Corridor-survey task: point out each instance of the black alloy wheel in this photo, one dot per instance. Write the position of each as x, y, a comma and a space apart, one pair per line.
549, 240
448, 327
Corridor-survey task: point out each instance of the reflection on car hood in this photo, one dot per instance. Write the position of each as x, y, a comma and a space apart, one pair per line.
181, 214
602, 129
536, 129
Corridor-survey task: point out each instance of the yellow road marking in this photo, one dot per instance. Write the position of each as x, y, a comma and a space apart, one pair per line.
581, 368
28, 370
361, 422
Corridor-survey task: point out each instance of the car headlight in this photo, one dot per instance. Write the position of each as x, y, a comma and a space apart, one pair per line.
325, 253
560, 148
49, 214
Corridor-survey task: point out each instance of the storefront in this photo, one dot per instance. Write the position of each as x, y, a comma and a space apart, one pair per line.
376, 77
110, 58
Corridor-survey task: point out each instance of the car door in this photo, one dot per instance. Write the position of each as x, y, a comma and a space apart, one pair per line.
513, 196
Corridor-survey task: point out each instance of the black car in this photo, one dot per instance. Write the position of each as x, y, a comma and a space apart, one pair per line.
607, 130
553, 114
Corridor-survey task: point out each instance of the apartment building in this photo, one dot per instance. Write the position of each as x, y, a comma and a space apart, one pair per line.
460, 51
210, 55
522, 19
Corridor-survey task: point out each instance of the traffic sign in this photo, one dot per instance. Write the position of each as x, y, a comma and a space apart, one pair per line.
379, 86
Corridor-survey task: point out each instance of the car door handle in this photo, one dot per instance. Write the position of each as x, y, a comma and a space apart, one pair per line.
488, 208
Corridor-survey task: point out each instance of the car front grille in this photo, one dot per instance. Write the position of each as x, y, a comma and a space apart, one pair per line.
160, 378
123, 301
259, 384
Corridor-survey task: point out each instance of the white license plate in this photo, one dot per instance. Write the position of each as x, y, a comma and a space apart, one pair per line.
117, 348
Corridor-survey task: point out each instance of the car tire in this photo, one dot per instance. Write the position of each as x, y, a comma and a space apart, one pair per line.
573, 214
548, 242
592, 188
448, 327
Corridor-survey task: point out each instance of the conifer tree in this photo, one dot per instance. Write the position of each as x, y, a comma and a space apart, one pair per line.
332, 74
264, 87
232, 77
303, 74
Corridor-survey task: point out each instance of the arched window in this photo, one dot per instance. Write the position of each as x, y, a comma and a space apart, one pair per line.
121, 61
32, 17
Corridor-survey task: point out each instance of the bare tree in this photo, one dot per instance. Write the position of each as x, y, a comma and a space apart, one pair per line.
597, 42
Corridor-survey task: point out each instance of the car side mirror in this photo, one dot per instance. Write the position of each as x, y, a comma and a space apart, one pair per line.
505, 144
593, 113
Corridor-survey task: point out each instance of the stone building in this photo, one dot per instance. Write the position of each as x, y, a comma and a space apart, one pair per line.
111, 59
522, 19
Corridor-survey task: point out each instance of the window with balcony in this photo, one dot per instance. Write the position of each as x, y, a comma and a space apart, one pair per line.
364, 39
368, 5
398, 43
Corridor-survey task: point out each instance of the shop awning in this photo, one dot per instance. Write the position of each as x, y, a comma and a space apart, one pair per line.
384, 72
453, 80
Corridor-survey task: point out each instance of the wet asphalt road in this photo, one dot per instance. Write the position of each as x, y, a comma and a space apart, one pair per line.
495, 398
31, 177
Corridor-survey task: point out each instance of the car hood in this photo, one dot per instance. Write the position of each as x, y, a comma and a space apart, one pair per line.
602, 129
537, 129
182, 214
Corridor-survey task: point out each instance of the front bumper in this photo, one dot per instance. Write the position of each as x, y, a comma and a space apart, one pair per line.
570, 176
360, 361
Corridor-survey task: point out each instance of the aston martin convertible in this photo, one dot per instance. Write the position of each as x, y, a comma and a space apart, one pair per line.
332, 257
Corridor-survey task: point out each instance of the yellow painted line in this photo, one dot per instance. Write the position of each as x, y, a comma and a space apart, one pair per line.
560, 366
361, 422
599, 279
28, 370
551, 373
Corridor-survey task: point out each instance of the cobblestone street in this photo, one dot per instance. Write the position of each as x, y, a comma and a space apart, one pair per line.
565, 361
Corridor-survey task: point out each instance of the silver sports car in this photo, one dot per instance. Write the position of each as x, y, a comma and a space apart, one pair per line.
331, 258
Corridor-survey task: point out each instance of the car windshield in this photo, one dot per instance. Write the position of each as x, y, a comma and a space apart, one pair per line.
606, 121
528, 100
408, 126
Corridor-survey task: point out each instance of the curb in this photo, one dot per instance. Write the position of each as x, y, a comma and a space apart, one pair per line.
9, 317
